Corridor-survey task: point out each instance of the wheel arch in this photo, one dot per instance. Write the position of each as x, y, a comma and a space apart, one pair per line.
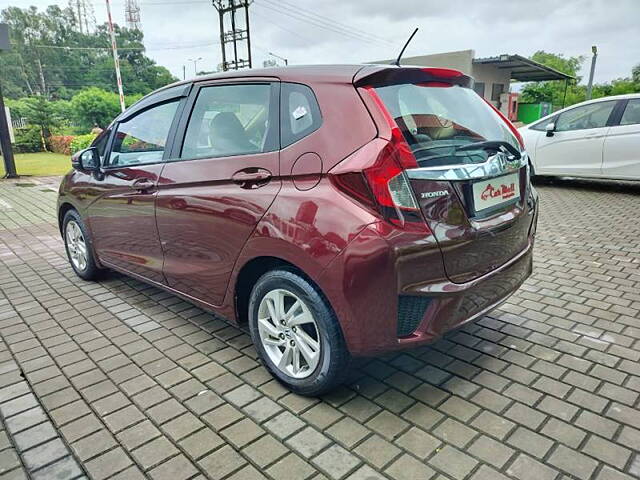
249, 274
62, 211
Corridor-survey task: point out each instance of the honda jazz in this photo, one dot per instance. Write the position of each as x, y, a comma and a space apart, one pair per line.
338, 211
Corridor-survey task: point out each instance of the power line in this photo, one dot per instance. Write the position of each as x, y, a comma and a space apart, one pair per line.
171, 47
331, 21
327, 26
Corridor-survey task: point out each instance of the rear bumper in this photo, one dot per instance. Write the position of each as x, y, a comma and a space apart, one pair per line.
383, 275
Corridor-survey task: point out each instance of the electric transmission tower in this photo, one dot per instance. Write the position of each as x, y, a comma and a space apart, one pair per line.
132, 14
84, 14
234, 33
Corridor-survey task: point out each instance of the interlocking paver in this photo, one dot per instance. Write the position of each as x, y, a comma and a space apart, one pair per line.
139, 382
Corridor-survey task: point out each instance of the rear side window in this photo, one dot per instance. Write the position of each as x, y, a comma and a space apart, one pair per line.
631, 115
300, 113
436, 118
231, 120
142, 139
594, 115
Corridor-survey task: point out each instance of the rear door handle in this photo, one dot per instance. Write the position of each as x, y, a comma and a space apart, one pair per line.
143, 184
251, 177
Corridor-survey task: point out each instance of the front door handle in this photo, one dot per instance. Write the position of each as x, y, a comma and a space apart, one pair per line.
251, 177
143, 184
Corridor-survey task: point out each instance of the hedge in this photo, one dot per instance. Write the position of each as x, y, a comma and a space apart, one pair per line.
81, 142
61, 144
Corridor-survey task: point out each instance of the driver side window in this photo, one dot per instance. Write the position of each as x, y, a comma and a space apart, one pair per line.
142, 139
594, 115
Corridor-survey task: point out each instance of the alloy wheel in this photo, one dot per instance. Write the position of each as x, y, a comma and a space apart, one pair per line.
76, 245
289, 333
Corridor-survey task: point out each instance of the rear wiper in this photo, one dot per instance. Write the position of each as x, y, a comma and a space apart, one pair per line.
492, 145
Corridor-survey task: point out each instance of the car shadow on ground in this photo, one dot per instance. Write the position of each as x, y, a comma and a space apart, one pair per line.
608, 186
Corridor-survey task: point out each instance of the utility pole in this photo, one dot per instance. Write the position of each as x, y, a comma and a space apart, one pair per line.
594, 50
184, 72
5, 136
238, 34
116, 61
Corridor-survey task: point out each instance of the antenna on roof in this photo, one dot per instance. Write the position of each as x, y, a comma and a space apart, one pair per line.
397, 62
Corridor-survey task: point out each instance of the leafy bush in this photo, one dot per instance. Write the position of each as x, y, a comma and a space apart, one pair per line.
95, 107
61, 144
28, 139
81, 142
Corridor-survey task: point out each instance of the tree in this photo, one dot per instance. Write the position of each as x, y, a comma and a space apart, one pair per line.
95, 107
41, 112
635, 74
554, 91
51, 57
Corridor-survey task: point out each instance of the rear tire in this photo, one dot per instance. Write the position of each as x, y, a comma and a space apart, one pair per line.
296, 333
79, 247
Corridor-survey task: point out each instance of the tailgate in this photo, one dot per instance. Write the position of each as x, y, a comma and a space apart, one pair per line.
478, 213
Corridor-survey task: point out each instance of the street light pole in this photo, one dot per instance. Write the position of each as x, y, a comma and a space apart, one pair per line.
594, 49
195, 64
286, 62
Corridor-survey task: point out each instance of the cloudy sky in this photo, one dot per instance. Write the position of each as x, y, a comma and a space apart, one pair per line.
339, 31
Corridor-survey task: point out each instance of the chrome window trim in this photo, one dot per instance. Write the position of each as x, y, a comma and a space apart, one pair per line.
495, 166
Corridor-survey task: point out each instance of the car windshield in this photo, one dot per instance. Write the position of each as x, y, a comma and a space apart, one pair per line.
436, 118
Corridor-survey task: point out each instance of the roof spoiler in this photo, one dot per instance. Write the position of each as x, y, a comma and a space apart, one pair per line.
383, 75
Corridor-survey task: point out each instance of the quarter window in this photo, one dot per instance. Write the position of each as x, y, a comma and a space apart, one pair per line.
594, 115
100, 143
631, 115
142, 139
231, 120
300, 113
542, 126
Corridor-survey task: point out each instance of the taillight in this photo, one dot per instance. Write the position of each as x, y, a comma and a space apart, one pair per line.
381, 182
511, 126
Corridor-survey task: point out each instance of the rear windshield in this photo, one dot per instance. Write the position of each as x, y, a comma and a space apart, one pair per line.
435, 119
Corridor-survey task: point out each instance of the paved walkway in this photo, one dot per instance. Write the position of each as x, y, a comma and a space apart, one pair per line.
121, 380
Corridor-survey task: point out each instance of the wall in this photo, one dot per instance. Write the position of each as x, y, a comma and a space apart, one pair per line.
460, 60
490, 74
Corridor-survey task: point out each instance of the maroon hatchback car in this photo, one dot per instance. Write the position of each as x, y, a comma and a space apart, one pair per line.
339, 210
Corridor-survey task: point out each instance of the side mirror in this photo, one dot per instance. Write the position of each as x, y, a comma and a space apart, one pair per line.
87, 160
550, 128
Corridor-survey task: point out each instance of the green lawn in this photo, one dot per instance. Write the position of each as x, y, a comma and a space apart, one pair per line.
39, 164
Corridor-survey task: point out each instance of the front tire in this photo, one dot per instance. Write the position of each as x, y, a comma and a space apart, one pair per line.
78, 245
296, 333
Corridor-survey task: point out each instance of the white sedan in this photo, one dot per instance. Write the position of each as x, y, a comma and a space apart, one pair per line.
596, 139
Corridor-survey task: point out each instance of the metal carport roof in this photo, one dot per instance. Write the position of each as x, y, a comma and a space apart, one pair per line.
523, 69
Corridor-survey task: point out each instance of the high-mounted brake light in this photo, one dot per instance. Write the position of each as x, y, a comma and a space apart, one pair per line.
443, 72
511, 126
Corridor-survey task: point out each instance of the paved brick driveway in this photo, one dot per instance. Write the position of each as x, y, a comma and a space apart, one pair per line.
120, 380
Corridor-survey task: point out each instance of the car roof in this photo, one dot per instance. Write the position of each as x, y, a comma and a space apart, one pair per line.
344, 72
307, 74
